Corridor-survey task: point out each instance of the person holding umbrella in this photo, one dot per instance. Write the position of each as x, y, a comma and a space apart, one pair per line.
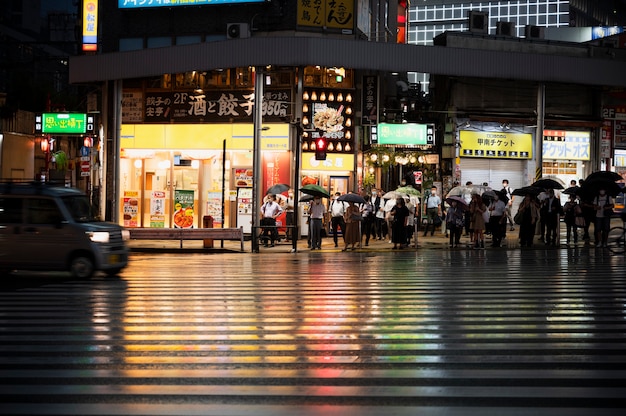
455, 220
400, 216
528, 211
603, 206
316, 215
497, 218
270, 211
550, 210
351, 217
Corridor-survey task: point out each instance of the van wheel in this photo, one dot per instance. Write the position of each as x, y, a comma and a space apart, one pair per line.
81, 267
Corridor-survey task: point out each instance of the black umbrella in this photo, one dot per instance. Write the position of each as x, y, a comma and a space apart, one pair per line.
279, 188
604, 175
356, 198
572, 190
592, 187
548, 183
502, 196
306, 198
527, 190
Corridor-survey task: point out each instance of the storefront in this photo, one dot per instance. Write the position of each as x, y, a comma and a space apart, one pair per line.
174, 175
491, 156
565, 155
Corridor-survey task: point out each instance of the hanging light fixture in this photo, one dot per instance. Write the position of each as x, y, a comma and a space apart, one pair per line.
340, 97
305, 96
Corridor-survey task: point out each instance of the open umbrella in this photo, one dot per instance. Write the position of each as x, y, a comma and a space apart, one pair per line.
527, 190
459, 191
394, 195
459, 200
591, 187
306, 198
356, 198
572, 190
502, 196
604, 175
409, 190
548, 183
279, 188
315, 190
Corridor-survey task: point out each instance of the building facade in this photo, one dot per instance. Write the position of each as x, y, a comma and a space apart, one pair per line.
170, 89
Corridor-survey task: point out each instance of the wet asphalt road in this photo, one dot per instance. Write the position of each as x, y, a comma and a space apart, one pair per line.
428, 332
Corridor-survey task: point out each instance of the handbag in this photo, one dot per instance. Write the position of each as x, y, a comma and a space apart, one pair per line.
437, 220
356, 217
486, 216
518, 218
579, 221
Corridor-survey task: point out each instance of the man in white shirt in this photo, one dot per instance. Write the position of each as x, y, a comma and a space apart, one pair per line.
270, 211
433, 211
337, 209
316, 215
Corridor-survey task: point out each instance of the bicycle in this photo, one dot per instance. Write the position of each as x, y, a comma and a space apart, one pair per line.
617, 237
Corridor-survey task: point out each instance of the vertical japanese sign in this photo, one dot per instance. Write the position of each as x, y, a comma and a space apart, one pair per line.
370, 100
90, 25
276, 169
335, 14
183, 208
131, 208
606, 139
157, 209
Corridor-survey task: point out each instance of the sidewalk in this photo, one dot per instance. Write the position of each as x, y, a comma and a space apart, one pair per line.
437, 241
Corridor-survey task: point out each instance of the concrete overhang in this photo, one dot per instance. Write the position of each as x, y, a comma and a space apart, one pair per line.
363, 55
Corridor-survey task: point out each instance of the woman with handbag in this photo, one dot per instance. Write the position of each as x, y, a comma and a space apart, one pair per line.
478, 211
352, 217
529, 212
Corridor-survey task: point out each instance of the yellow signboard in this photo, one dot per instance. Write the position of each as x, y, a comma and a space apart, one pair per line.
491, 144
90, 25
333, 162
336, 14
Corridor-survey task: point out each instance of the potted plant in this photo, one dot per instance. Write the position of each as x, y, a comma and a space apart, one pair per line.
61, 163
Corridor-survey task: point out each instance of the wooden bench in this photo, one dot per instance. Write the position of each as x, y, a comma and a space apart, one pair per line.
187, 234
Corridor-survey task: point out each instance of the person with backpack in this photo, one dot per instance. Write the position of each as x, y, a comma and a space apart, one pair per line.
571, 211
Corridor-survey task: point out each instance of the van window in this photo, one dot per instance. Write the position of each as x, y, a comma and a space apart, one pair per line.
79, 208
43, 211
11, 210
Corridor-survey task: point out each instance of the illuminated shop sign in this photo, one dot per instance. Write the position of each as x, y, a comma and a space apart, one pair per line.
63, 123
619, 158
213, 106
566, 145
328, 113
491, 144
407, 134
135, 4
90, 25
325, 14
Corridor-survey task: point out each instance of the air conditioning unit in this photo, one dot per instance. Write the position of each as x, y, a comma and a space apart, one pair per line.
237, 31
533, 32
505, 29
478, 22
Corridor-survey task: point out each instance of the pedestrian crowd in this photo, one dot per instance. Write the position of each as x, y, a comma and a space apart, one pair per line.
475, 213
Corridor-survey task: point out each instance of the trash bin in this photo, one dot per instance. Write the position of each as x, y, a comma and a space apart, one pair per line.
207, 222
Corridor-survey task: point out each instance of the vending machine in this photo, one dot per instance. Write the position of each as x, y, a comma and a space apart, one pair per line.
244, 209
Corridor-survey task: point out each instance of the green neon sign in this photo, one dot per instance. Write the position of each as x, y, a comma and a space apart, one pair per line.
63, 123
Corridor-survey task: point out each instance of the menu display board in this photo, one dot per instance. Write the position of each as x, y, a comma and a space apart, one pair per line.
131, 208
183, 208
